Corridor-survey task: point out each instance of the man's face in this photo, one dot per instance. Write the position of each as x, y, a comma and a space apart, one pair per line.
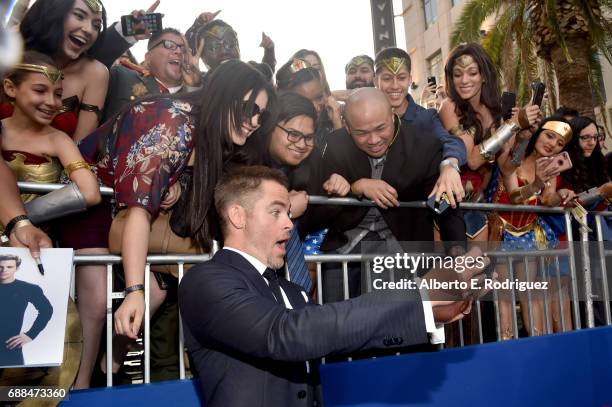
165, 59
371, 127
8, 268
268, 227
360, 76
394, 85
220, 45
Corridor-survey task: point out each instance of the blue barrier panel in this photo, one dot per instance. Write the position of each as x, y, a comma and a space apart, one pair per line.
179, 393
571, 369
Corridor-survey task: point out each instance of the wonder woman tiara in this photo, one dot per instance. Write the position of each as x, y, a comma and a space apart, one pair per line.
52, 74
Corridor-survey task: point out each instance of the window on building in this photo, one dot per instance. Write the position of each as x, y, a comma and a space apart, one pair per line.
431, 12
434, 66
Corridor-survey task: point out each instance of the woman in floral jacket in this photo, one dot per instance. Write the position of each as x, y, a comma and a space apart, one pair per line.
143, 151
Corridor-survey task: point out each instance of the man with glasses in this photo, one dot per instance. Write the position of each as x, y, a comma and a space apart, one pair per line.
169, 69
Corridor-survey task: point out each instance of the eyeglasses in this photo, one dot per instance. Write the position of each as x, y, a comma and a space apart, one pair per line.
295, 136
594, 137
170, 45
255, 110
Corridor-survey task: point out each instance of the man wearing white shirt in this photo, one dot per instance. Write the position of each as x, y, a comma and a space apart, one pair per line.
249, 331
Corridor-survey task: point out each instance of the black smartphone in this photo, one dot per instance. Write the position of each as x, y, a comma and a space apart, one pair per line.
538, 89
508, 100
431, 80
132, 26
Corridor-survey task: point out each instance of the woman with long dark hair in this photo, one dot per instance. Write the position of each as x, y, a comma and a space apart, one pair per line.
146, 148
472, 112
534, 182
70, 31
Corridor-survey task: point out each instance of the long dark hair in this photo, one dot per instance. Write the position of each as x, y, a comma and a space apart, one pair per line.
587, 172
42, 26
489, 95
221, 107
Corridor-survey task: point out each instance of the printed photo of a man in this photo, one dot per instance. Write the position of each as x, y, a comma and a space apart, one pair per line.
15, 295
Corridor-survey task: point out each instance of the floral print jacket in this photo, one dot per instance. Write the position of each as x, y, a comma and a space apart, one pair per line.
154, 140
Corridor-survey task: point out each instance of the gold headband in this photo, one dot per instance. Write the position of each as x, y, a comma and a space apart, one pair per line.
52, 74
393, 64
298, 64
464, 60
94, 5
358, 60
561, 128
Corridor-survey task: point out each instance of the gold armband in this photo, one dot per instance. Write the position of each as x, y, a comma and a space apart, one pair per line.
353, 191
458, 130
520, 195
75, 165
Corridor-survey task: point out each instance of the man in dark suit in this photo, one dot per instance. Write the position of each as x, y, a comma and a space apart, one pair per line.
387, 161
167, 69
250, 332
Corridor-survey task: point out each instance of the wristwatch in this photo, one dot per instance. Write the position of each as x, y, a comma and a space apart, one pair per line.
450, 162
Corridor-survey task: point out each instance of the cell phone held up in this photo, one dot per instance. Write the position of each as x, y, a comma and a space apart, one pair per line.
131, 25
431, 81
538, 89
562, 161
508, 102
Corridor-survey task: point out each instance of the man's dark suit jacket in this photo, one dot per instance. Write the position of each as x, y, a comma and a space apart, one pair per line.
411, 167
250, 350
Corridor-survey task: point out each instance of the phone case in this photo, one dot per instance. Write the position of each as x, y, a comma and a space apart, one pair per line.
152, 21
562, 160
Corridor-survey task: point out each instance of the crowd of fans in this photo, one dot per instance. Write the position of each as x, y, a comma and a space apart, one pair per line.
161, 133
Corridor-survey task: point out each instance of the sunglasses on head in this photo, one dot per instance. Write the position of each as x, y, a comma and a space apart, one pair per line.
252, 111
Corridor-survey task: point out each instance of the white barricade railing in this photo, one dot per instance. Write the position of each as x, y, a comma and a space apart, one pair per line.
319, 260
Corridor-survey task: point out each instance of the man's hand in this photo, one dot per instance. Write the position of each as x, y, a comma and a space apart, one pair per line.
31, 237
266, 42
141, 26
463, 285
299, 202
528, 117
172, 196
378, 191
17, 341
192, 76
128, 317
206, 17
449, 181
337, 185
334, 112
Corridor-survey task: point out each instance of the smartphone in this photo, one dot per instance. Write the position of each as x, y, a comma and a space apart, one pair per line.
562, 161
538, 89
132, 26
508, 102
431, 80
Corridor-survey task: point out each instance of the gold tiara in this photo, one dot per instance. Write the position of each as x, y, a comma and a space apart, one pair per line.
298, 64
94, 5
561, 128
464, 60
52, 74
393, 64
358, 60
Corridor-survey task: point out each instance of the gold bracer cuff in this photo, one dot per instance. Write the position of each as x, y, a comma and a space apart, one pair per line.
76, 165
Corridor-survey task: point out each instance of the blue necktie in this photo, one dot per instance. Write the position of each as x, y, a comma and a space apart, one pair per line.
298, 272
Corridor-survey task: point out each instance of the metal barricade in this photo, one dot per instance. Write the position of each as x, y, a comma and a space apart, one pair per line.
319, 260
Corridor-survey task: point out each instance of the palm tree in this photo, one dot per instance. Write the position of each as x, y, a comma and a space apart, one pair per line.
557, 40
